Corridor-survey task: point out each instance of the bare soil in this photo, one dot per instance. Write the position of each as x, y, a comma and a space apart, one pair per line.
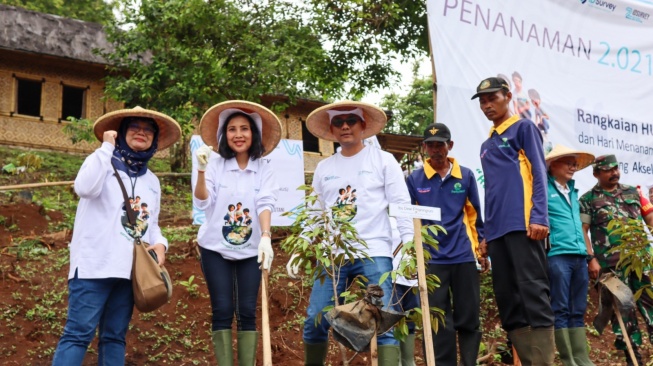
34, 268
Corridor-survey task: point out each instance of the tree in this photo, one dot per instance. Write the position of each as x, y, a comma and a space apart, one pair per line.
96, 11
180, 57
414, 111
372, 32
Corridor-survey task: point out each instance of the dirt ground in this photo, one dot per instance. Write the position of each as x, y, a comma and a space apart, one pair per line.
34, 268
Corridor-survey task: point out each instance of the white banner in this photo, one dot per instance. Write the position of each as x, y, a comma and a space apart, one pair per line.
581, 69
287, 161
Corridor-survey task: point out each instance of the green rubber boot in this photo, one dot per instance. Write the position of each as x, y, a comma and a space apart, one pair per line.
578, 341
315, 354
521, 340
222, 347
563, 345
407, 350
247, 342
388, 355
543, 346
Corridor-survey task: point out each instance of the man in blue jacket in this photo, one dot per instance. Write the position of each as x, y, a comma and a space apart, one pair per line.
516, 224
568, 256
443, 183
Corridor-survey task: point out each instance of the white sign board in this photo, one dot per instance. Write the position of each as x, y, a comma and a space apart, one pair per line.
415, 212
582, 70
287, 162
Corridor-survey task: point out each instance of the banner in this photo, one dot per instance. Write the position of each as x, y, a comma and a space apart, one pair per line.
287, 162
582, 70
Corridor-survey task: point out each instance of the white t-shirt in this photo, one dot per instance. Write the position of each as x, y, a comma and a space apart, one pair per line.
363, 186
232, 235
102, 244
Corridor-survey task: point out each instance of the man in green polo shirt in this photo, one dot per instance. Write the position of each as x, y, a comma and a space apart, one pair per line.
566, 260
606, 201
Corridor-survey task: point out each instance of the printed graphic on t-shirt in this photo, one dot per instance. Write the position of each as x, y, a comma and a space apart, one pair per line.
141, 213
237, 227
345, 206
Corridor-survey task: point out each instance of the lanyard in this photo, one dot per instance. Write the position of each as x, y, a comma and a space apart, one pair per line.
133, 184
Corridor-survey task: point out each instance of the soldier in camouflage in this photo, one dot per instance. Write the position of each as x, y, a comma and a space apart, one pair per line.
606, 201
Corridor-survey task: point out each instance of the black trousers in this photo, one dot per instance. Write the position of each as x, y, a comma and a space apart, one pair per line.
520, 281
459, 296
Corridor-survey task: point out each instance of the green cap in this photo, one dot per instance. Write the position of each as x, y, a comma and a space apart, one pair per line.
605, 162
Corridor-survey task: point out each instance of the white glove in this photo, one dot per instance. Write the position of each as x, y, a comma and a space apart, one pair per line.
203, 154
265, 247
293, 269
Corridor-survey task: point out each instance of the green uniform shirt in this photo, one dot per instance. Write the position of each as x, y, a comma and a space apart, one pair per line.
598, 207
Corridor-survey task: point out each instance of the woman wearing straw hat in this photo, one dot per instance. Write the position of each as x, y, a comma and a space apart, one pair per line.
378, 180
567, 259
101, 251
241, 133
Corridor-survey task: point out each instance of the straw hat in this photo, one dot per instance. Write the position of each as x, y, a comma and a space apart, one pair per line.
169, 130
584, 159
267, 122
319, 121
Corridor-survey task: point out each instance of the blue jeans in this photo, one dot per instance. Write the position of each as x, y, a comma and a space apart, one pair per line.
233, 289
405, 300
322, 296
108, 302
569, 279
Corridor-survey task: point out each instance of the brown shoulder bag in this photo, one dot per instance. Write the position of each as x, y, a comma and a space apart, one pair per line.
150, 282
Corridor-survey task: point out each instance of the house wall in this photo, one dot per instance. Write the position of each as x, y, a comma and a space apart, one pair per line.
291, 121
46, 131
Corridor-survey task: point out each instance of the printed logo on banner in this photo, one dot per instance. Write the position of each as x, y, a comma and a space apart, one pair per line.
292, 149
600, 4
480, 178
294, 212
636, 15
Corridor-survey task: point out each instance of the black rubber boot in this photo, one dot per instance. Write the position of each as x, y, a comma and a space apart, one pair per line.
469, 343
315, 354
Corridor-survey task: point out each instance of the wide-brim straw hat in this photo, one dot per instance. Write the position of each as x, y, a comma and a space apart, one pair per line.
270, 126
319, 122
169, 130
584, 159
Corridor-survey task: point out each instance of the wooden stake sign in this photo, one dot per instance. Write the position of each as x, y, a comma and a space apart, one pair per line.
417, 213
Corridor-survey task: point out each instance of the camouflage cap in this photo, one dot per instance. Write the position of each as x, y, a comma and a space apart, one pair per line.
605, 162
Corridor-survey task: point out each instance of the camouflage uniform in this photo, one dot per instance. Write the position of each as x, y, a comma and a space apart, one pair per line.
597, 208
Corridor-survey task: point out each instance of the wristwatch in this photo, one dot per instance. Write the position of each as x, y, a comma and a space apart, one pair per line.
589, 258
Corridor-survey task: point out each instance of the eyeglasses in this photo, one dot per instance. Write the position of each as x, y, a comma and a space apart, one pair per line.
339, 122
135, 127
